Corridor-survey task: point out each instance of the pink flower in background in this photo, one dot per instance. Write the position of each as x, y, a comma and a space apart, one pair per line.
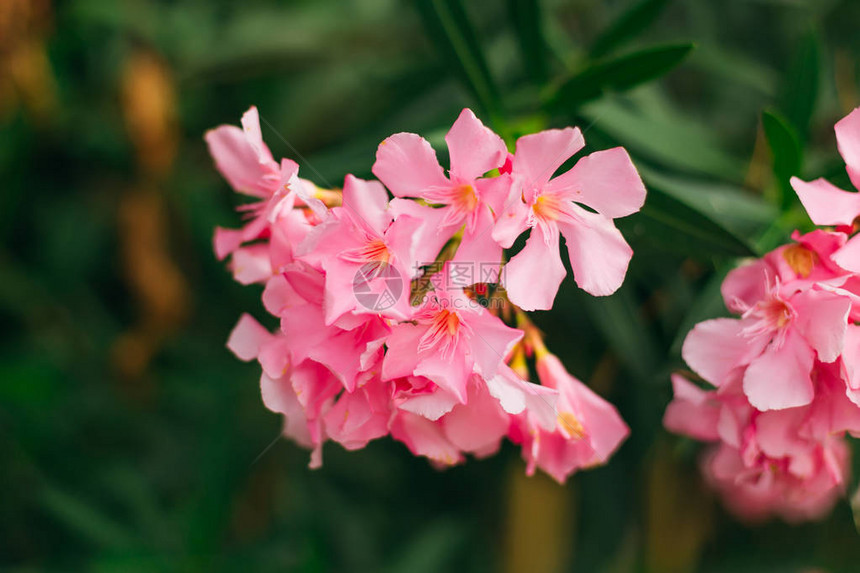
793, 310
390, 319
786, 371
792, 463
605, 181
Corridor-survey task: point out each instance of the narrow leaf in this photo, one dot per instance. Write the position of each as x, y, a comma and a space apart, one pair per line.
800, 90
627, 26
618, 74
669, 224
448, 26
525, 16
786, 151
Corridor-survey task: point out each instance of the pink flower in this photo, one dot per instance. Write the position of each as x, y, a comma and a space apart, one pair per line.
586, 432
606, 182
792, 462
346, 348
352, 360
782, 330
360, 244
246, 163
829, 205
452, 337
407, 165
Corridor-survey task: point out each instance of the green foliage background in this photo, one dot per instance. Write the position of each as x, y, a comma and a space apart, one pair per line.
170, 466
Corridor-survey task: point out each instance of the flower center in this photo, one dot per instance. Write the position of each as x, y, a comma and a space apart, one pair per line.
800, 259
568, 423
548, 207
444, 332
376, 251
465, 198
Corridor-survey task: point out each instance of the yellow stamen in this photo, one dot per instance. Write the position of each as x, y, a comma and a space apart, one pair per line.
800, 259
571, 425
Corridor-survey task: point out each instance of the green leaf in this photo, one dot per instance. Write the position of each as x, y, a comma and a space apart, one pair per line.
448, 26
630, 24
671, 225
786, 150
707, 304
672, 139
623, 328
617, 74
800, 90
738, 211
85, 520
525, 16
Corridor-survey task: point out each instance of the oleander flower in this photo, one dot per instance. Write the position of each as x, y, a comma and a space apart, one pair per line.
390, 317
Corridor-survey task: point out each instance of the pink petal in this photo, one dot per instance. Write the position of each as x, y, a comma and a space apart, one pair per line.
599, 255
251, 127
851, 357
359, 417
279, 396
424, 438
478, 426
431, 406
516, 396
714, 348
826, 203
479, 250
367, 203
402, 359
693, 412
606, 181
451, 373
539, 155
532, 277
407, 165
251, 264
604, 426
822, 318
848, 139
247, 337
492, 341
745, 286
237, 160
848, 257
473, 147
430, 236
780, 377
513, 219
226, 241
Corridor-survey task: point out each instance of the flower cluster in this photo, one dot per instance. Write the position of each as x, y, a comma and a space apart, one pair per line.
396, 313
787, 371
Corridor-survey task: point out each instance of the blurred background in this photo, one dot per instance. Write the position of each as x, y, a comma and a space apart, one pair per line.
132, 440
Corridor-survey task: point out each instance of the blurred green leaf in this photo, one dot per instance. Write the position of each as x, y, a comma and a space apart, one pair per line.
448, 26
635, 20
525, 16
674, 140
740, 212
786, 151
621, 324
677, 227
430, 549
800, 90
618, 74
707, 304
85, 520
